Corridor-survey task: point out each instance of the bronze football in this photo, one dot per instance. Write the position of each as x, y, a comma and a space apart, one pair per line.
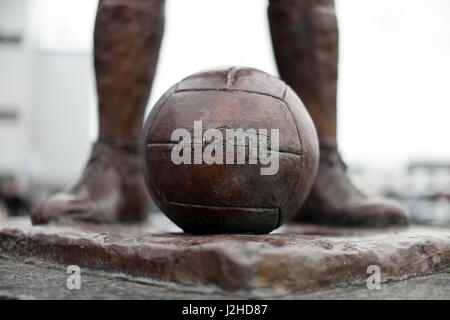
230, 150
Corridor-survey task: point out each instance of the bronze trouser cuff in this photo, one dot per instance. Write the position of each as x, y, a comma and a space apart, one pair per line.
127, 145
330, 155
306, 3
123, 154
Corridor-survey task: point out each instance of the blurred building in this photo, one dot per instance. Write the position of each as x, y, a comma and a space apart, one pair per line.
428, 192
423, 187
46, 94
428, 179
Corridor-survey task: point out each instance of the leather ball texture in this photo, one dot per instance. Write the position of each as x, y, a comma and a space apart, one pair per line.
229, 197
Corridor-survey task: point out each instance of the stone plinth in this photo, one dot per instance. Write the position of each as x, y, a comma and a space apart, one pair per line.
294, 258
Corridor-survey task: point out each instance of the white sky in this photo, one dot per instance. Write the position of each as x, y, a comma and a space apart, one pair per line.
394, 103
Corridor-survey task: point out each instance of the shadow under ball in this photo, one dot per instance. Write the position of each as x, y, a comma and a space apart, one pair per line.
207, 198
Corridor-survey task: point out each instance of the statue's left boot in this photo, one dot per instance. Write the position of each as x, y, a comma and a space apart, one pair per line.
305, 39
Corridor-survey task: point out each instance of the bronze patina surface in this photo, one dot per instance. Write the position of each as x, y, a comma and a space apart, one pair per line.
223, 197
127, 39
305, 40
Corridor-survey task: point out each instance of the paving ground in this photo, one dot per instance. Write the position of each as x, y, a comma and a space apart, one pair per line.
157, 261
21, 281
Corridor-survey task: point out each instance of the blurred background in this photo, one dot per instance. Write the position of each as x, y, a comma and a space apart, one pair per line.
394, 90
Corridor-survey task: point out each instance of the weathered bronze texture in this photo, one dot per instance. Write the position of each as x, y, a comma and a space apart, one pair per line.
305, 41
214, 198
110, 189
127, 39
336, 201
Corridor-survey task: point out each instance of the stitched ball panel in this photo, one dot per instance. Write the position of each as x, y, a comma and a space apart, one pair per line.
230, 194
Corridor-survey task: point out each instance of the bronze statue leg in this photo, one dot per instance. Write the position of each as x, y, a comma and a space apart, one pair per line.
305, 40
127, 39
